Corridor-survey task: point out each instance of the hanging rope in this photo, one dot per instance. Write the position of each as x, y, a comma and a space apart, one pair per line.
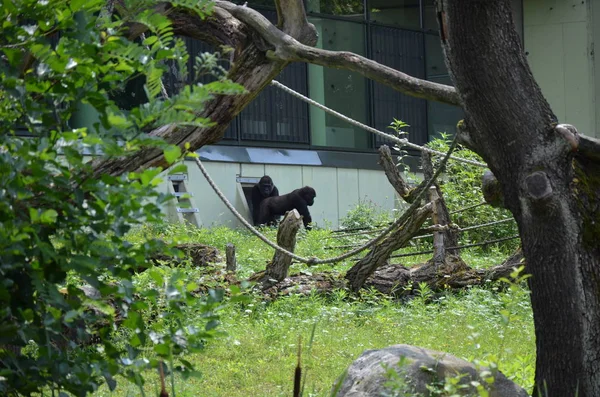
313, 260
399, 141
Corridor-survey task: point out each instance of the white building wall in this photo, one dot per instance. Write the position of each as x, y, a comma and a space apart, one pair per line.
338, 190
559, 49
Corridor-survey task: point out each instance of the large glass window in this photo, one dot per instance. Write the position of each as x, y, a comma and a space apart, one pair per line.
405, 13
441, 118
343, 91
348, 8
401, 50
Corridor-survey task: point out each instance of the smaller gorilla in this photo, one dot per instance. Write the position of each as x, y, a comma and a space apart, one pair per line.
274, 207
263, 189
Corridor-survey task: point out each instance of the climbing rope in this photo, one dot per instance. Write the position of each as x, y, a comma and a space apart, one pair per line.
313, 260
400, 141
498, 240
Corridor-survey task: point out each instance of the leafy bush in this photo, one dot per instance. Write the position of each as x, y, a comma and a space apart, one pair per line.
65, 267
365, 214
461, 186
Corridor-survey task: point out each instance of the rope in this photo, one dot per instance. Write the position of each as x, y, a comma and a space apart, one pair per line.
402, 142
499, 240
468, 208
482, 225
314, 260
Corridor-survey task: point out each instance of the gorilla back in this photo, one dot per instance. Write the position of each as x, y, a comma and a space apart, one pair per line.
274, 207
263, 189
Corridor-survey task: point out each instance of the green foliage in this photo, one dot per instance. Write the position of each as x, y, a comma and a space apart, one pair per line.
258, 355
461, 186
365, 214
65, 266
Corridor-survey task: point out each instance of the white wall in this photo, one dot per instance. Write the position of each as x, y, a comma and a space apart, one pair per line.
338, 189
559, 49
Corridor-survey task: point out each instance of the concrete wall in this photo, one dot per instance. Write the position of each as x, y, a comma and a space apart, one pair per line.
559, 45
338, 189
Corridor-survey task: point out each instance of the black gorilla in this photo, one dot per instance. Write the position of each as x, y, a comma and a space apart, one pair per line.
263, 189
273, 207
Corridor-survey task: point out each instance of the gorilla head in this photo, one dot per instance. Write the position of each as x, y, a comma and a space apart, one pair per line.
265, 186
308, 194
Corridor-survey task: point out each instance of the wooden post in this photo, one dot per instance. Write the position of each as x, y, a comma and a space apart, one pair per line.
231, 264
278, 269
450, 234
439, 251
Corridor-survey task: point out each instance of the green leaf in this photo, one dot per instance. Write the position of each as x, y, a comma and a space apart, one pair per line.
34, 215
49, 216
172, 153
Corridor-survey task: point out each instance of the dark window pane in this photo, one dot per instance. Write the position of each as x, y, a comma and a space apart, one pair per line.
434, 57
405, 13
429, 15
343, 91
274, 115
401, 50
442, 118
348, 8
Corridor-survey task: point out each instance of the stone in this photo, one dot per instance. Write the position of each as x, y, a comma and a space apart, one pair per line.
377, 373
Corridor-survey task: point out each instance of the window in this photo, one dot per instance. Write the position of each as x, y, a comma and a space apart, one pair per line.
405, 13
275, 116
343, 91
402, 50
348, 8
441, 118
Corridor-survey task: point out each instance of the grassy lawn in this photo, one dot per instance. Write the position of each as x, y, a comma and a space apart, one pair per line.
257, 354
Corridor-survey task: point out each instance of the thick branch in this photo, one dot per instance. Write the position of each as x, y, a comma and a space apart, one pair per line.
393, 175
292, 20
288, 49
358, 274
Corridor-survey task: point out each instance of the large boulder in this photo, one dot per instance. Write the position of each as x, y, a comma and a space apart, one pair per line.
403, 370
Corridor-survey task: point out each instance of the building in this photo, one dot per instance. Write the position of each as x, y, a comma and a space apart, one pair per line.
297, 144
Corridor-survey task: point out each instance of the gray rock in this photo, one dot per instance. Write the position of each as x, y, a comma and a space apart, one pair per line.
377, 373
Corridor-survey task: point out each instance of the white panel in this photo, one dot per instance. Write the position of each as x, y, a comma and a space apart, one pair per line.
325, 210
546, 49
347, 190
253, 170
544, 12
212, 210
578, 82
375, 187
285, 177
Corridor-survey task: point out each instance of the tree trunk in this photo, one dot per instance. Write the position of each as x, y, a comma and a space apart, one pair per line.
358, 274
278, 268
450, 235
552, 190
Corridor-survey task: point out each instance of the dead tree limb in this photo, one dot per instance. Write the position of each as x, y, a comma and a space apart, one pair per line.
358, 274
278, 268
394, 176
450, 233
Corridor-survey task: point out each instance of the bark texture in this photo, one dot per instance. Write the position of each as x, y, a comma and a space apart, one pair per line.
551, 188
358, 274
279, 267
450, 234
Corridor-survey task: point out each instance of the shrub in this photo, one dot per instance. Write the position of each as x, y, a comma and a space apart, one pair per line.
65, 267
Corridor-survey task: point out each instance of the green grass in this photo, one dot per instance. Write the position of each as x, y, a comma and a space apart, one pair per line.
258, 354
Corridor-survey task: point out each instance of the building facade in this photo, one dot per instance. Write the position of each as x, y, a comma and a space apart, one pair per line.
298, 144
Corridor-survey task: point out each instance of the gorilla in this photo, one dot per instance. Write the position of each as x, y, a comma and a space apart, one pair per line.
263, 189
274, 207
